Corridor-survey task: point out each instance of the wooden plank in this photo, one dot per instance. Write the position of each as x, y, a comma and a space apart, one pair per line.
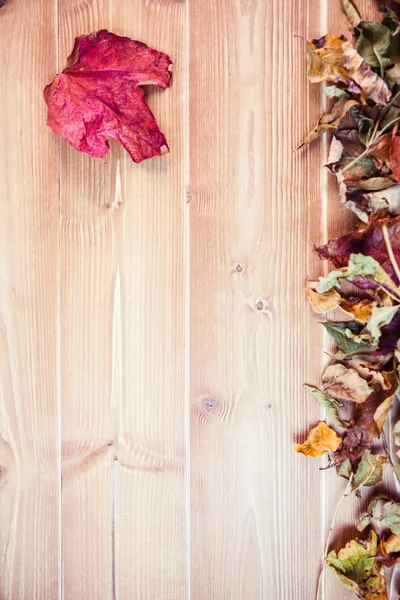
30, 563
150, 333
256, 507
88, 270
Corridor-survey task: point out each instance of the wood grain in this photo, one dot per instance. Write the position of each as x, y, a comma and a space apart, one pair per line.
30, 550
151, 556
255, 210
88, 270
154, 332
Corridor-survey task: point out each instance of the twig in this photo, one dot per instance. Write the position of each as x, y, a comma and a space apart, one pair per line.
386, 447
328, 539
390, 251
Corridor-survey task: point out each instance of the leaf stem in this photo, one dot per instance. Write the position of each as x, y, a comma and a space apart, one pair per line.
390, 251
328, 539
355, 160
396, 298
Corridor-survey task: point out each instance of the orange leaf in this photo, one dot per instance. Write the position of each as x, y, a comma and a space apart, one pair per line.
320, 439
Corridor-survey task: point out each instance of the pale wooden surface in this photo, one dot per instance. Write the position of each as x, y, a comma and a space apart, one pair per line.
154, 333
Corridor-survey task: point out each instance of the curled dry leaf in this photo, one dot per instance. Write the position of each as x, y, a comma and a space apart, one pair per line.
395, 157
320, 439
369, 242
392, 544
330, 120
98, 96
335, 60
351, 13
358, 569
322, 303
345, 384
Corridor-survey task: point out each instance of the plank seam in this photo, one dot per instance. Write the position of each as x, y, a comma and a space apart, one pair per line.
324, 227
187, 302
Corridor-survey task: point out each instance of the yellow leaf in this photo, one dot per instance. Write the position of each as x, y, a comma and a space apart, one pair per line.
392, 544
320, 439
322, 303
382, 412
334, 59
360, 310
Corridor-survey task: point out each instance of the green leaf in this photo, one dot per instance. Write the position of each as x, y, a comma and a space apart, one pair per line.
396, 431
365, 125
347, 338
391, 516
380, 316
392, 114
351, 12
333, 92
396, 471
328, 402
369, 471
358, 570
372, 184
359, 266
373, 44
390, 19
345, 469
333, 279
382, 509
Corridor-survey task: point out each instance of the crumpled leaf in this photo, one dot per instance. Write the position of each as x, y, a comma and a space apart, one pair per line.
329, 120
368, 419
351, 13
322, 303
335, 60
328, 402
358, 570
98, 96
363, 270
370, 470
382, 509
368, 242
345, 384
320, 439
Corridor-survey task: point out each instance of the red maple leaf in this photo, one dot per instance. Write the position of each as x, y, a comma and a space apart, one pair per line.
98, 96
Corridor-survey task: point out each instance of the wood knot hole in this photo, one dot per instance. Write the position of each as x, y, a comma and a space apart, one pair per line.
210, 404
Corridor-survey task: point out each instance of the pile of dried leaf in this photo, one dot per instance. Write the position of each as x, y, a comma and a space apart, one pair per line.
359, 386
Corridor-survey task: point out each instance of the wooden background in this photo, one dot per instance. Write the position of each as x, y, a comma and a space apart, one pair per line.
154, 332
